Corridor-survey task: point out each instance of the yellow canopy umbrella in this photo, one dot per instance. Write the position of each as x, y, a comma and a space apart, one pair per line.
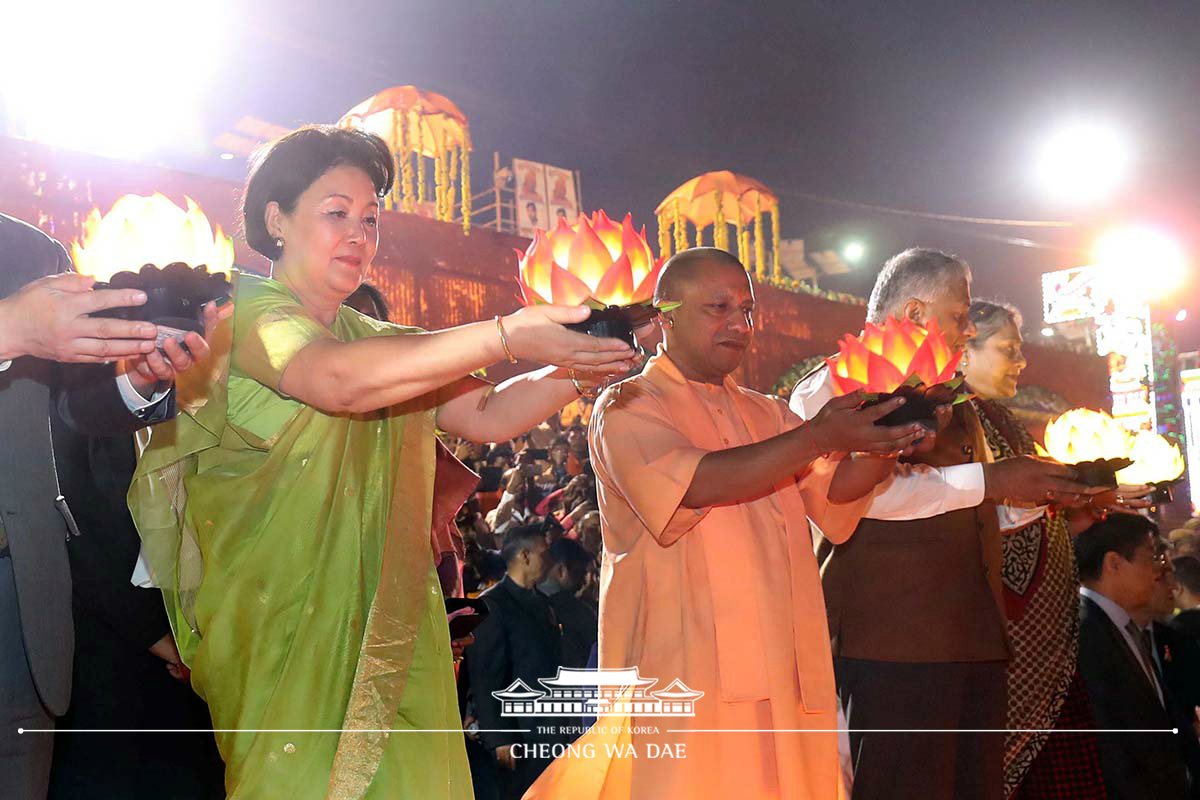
418, 124
720, 198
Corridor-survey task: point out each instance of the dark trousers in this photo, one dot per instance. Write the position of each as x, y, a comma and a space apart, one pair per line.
24, 758
959, 696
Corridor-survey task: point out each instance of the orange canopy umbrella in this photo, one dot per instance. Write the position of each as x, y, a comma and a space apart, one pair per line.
419, 124
719, 198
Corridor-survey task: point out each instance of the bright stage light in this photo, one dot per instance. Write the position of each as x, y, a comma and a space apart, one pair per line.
853, 252
1047, 331
1083, 162
122, 78
1181, 315
1143, 263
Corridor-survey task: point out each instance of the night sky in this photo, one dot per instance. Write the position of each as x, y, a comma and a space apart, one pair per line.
928, 106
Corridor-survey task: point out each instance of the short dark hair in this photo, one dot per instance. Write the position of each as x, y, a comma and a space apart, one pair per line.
280, 171
989, 317
370, 294
572, 555
680, 266
1119, 533
919, 272
1187, 573
518, 539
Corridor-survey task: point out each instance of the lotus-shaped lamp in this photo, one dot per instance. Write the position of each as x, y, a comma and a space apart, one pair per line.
1156, 461
1093, 442
594, 262
899, 358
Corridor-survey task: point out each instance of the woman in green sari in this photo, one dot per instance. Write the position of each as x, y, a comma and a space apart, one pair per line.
286, 513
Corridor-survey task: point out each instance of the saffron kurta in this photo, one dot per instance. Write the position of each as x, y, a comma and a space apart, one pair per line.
725, 599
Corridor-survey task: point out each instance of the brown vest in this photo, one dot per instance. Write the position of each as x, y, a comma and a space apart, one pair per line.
925, 590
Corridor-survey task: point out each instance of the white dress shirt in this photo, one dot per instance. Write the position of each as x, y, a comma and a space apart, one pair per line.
917, 491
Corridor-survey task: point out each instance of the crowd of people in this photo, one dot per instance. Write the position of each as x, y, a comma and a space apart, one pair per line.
334, 542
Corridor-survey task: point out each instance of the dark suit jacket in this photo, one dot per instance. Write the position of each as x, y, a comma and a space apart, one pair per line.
35, 394
518, 640
924, 590
1187, 622
1179, 658
580, 627
1136, 766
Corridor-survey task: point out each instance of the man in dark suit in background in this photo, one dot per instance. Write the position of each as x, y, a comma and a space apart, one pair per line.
520, 639
44, 319
1119, 567
1187, 596
569, 563
1177, 659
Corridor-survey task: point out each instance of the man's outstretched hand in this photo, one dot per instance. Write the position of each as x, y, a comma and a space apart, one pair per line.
48, 318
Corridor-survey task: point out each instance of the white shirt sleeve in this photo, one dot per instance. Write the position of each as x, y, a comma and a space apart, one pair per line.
133, 400
917, 491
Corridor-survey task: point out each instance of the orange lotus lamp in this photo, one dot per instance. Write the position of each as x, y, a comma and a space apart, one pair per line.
149, 231
899, 358
597, 263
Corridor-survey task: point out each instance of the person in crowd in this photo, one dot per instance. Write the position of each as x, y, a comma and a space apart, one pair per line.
569, 564
1119, 569
930, 541
307, 452
708, 577
367, 299
1187, 596
45, 318
1177, 662
520, 639
1040, 590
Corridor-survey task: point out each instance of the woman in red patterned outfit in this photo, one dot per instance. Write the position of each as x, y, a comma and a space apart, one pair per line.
1041, 595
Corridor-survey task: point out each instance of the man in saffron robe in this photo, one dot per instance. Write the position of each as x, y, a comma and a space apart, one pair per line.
708, 573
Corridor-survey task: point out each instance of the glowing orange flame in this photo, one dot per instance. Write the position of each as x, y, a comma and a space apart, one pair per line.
883, 358
149, 230
595, 260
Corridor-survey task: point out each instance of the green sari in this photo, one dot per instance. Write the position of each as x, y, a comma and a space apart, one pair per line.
293, 549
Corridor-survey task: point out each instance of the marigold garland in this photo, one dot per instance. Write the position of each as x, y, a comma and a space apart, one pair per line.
720, 232
466, 187
664, 237
776, 266
760, 256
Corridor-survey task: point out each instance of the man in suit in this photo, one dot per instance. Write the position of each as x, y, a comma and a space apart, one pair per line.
914, 598
570, 562
1187, 596
520, 639
1177, 659
44, 319
1119, 570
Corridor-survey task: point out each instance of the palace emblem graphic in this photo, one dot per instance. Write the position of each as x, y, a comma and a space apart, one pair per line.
597, 692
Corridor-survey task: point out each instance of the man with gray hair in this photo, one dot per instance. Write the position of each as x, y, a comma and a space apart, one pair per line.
913, 597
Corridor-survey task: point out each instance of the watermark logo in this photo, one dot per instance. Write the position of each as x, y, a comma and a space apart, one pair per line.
597, 692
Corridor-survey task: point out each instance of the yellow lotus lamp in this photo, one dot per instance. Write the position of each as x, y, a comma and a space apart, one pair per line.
153, 230
1156, 461
597, 263
1091, 441
899, 358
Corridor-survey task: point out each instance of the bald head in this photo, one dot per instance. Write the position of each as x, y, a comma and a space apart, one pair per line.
689, 266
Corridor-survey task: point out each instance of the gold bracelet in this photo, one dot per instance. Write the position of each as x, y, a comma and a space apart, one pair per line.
586, 394
504, 340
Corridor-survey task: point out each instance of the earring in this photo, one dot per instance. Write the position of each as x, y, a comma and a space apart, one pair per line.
670, 322
279, 242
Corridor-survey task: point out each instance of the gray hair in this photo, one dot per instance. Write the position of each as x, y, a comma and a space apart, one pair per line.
918, 272
989, 317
